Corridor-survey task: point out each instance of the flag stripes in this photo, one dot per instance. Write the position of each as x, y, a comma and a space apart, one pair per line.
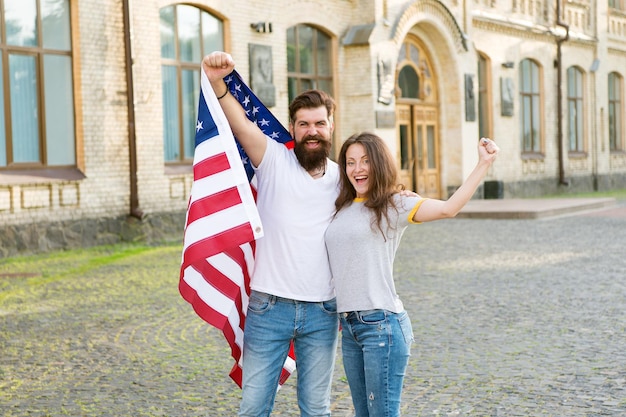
222, 222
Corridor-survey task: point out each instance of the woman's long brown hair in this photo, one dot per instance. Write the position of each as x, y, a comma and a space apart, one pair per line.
383, 177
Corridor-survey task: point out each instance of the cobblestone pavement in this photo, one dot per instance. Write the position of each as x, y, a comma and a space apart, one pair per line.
511, 318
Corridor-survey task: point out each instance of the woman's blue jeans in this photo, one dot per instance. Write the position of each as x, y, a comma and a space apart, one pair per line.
376, 345
271, 324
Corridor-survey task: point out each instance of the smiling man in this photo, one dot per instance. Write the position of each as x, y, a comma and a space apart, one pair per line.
311, 129
292, 296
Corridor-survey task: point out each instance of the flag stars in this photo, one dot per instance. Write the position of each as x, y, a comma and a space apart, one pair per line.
199, 126
255, 110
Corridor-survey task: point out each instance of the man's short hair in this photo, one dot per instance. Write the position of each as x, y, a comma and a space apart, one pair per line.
311, 99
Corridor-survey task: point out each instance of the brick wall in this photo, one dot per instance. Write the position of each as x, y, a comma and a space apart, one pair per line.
101, 97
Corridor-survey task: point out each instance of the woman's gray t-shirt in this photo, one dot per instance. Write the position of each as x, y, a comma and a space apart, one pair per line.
361, 259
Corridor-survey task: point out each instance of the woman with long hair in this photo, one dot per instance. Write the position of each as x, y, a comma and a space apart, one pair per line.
371, 216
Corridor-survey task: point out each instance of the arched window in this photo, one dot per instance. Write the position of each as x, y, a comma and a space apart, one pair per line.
415, 87
415, 74
187, 34
575, 112
409, 82
530, 106
309, 60
37, 127
408, 76
616, 112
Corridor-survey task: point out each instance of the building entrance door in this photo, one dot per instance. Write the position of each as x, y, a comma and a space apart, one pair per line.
419, 149
417, 116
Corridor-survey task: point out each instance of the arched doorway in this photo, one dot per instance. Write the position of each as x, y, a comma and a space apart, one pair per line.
417, 120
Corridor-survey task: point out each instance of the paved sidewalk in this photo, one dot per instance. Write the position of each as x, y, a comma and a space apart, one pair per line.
532, 208
511, 317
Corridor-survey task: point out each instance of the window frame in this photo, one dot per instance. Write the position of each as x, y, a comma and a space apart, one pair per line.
576, 99
41, 165
185, 70
617, 5
531, 108
295, 76
615, 108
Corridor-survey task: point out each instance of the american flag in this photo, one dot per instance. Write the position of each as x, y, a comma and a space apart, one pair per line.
222, 221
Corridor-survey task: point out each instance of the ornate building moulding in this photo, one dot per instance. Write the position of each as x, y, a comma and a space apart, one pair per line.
615, 51
617, 43
433, 8
537, 33
540, 34
582, 43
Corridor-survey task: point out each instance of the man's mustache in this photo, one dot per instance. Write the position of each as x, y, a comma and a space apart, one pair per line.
310, 138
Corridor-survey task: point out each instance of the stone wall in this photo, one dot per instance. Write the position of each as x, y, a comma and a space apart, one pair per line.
71, 234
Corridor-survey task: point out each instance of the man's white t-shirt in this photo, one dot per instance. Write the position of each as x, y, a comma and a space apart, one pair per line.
295, 210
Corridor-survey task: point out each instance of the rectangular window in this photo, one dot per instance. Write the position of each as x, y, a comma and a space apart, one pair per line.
170, 113
575, 114
24, 105
55, 25
37, 120
188, 26
404, 146
59, 110
212, 34
615, 112
190, 97
420, 147
323, 55
187, 34
21, 16
530, 107
325, 85
430, 134
291, 50
536, 127
309, 60
305, 38
526, 124
168, 33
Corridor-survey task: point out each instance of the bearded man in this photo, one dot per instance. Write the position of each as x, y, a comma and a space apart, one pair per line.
292, 295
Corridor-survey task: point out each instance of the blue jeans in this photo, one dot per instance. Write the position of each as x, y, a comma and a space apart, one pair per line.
271, 324
376, 346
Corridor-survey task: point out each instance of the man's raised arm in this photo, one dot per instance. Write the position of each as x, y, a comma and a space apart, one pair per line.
216, 66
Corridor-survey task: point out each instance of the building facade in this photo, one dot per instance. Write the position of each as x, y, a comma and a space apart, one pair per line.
99, 98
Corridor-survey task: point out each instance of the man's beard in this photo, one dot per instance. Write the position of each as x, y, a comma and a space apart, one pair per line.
312, 158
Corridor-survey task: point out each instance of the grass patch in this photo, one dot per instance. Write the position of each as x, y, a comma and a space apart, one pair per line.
57, 265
